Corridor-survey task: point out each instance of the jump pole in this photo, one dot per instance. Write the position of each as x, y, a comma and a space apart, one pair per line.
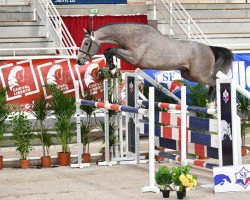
183, 126
151, 114
78, 131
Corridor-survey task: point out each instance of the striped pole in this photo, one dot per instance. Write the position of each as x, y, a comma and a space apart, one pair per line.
113, 107
178, 107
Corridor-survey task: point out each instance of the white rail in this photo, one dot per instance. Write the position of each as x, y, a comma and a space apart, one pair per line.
184, 20
55, 26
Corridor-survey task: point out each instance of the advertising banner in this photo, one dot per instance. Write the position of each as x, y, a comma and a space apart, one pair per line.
241, 70
67, 2
231, 178
25, 80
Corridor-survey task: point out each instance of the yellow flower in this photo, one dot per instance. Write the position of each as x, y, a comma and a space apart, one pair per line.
191, 185
185, 182
195, 182
189, 176
182, 177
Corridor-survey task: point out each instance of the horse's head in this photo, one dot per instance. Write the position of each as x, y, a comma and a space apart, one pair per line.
88, 49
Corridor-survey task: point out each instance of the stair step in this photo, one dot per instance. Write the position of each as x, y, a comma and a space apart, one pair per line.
16, 16
21, 23
24, 39
22, 31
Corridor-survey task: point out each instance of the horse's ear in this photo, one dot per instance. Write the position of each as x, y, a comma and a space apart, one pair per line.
86, 31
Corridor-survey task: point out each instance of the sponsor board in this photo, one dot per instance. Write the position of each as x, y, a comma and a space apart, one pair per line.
231, 178
25, 80
241, 70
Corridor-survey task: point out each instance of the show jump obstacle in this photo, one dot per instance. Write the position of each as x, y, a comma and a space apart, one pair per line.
180, 134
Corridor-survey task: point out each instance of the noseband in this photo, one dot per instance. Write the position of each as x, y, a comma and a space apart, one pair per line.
86, 53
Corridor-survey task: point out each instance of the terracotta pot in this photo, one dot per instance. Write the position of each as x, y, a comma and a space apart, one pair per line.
243, 150
1, 162
46, 161
110, 155
24, 164
63, 158
86, 158
203, 157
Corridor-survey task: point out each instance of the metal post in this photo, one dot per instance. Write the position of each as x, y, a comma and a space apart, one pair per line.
234, 124
183, 126
151, 115
155, 17
78, 124
106, 121
171, 19
219, 121
189, 29
47, 18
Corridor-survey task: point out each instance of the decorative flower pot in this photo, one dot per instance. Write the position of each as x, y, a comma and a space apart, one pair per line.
244, 150
24, 164
86, 157
110, 155
1, 162
63, 158
46, 161
181, 194
165, 193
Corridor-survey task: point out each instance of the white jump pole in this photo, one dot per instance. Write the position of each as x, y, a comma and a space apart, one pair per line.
183, 126
151, 115
78, 124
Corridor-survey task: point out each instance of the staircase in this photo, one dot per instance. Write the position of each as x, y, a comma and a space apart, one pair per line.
226, 24
33, 29
22, 33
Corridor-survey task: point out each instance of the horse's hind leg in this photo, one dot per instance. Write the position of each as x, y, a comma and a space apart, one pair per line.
211, 94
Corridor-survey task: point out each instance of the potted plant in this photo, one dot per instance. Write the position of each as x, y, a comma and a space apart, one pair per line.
3, 115
40, 111
63, 106
86, 128
182, 179
112, 138
243, 106
163, 178
21, 128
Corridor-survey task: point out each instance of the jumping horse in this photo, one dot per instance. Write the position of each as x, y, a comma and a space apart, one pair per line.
146, 48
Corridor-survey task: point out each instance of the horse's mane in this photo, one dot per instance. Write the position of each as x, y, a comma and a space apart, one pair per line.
125, 23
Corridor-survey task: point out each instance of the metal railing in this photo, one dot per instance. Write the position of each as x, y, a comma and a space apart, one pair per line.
55, 26
179, 16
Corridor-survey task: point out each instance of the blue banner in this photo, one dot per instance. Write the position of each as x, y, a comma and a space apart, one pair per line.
241, 70
67, 2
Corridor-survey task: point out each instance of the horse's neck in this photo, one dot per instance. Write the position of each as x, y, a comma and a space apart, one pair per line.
109, 34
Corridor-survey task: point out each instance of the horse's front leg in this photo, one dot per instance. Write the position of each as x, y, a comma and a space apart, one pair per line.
109, 58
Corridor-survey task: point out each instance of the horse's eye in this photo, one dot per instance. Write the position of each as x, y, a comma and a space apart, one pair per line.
86, 43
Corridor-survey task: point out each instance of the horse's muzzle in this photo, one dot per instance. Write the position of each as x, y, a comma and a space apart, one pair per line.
80, 62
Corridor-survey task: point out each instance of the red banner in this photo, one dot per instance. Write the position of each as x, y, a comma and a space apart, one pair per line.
25, 79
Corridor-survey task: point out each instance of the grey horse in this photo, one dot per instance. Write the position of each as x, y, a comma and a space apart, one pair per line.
146, 48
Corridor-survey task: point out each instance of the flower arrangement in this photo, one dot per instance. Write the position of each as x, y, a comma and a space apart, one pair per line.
188, 180
183, 179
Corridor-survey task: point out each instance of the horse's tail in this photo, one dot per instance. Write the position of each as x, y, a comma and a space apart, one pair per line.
223, 60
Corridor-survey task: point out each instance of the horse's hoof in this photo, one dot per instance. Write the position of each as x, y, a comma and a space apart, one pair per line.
211, 105
101, 73
111, 66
